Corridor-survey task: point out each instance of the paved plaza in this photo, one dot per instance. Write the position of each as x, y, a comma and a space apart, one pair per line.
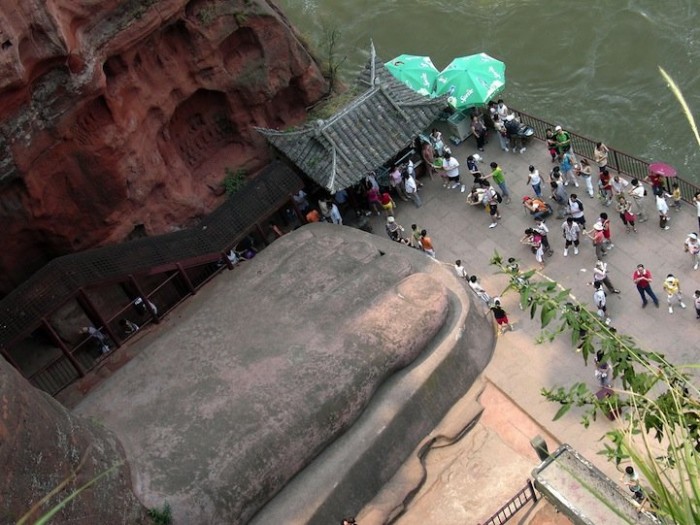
520, 368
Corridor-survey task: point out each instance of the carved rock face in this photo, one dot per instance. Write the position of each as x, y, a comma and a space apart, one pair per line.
42, 444
122, 115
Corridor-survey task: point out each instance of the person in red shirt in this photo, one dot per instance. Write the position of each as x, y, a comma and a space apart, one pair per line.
642, 278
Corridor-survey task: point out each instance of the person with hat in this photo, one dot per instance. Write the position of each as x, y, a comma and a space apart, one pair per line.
596, 234
692, 246
394, 230
563, 141
672, 287
642, 279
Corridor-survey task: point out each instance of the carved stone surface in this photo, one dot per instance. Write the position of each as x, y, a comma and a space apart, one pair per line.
120, 116
269, 365
42, 444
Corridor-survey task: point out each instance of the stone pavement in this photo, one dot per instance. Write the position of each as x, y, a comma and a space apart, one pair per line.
520, 368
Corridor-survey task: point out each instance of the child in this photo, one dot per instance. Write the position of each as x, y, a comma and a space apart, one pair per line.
631, 479
461, 270
501, 317
478, 290
676, 195
603, 370
672, 286
697, 304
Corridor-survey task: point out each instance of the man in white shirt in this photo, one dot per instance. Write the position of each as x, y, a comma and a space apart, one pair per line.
451, 168
618, 185
411, 189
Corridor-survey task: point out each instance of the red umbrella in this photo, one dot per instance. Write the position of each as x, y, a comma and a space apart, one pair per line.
663, 169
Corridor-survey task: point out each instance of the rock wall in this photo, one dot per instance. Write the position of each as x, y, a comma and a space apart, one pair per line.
42, 445
118, 117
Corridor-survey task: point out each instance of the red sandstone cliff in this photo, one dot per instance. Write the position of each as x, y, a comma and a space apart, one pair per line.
120, 115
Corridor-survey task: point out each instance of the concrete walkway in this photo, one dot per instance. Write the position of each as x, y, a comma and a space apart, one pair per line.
520, 368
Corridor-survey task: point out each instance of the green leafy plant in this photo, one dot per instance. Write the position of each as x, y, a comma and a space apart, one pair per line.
161, 516
660, 425
234, 180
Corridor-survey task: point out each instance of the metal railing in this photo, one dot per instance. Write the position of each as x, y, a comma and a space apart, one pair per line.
624, 163
514, 504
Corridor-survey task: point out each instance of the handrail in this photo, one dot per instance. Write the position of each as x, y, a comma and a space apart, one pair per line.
514, 504
624, 163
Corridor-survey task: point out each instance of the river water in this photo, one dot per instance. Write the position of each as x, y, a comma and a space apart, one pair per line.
589, 65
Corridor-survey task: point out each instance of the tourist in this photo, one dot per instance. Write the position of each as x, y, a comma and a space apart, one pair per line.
600, 155
696, 301
676, 196
415, 237
461, 270
143, 306
479, 132
696, 200
542, 229
396, 183
428, 155
600, 302
98, 336
642, 279
513, 129
656, 182
301, 201
631, 480
596, 234
605, 186
501, 132
128, 327
600, 275
313, 215
451, 168
501, 317
604, 221
555, 175
603, 370
672, 287
374, 200
534, 240
473, 167
437, 143
624, 208
692, 246
534, 180
537, 207
500, 179
560, 197
566, 166
395, 231
551, 144
411, 189
576, 210
618, 184
571, 231
583, 171
325, 209
502, 110
637, 193
662, 208
476, 196
563, 141
426, 243
479, 290
492, 198
388, 204
335, 216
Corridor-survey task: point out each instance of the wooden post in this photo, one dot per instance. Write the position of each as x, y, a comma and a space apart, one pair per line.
185, 278
59, 343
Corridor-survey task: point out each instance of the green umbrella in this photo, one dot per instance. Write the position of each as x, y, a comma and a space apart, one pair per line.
416, 72
471, 81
